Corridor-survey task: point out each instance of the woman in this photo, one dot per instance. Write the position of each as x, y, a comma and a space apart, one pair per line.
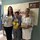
27, 25
17, 26
7, 23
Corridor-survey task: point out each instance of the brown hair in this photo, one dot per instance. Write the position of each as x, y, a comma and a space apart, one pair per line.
11, 11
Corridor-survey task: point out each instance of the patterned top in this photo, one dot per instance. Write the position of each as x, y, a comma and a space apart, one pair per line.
7, 21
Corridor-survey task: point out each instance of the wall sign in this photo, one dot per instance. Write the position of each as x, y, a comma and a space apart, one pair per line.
34, 5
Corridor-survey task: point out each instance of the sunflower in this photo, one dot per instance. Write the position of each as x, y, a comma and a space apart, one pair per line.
15, 24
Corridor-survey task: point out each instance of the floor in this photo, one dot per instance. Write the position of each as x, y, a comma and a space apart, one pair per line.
1, 36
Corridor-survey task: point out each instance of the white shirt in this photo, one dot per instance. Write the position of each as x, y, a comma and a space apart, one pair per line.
26, 33
7, 21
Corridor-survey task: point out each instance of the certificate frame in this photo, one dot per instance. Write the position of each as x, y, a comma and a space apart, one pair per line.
34, 5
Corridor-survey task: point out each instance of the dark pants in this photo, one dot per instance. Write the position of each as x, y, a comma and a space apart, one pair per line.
17, 34
21, 33
8, 31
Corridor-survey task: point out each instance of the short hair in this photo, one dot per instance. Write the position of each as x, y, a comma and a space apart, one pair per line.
17, 12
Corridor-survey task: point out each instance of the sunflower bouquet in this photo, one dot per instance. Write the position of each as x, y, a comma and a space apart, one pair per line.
15, 24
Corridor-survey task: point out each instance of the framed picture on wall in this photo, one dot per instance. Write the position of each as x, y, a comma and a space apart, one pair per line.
34, 5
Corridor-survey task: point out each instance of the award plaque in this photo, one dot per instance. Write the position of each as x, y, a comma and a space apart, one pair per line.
34, 5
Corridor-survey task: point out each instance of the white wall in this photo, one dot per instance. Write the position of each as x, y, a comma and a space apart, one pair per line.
0, 2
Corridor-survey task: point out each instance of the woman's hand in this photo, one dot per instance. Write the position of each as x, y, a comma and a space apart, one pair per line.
28, 26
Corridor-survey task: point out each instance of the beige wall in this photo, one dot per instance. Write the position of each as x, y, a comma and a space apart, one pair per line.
22, 7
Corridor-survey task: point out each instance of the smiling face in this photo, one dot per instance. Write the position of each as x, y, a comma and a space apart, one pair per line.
10, 10
17, 14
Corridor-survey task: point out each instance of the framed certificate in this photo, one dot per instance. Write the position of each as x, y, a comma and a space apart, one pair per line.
34, 5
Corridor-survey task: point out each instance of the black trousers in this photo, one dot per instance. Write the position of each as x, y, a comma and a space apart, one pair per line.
8, 31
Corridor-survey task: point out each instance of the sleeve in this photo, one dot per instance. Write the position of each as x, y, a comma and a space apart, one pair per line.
30, 21
20, 21
3, 20
23, 19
